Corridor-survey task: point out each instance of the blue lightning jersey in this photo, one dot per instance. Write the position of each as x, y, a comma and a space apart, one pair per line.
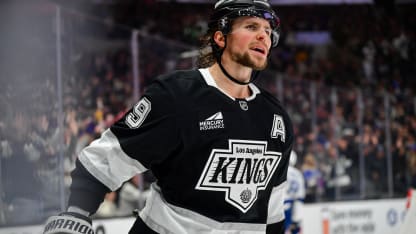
295, 194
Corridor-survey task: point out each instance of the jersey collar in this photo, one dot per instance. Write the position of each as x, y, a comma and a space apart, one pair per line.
211, 82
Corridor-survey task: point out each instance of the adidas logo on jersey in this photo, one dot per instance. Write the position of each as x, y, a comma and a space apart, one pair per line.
240, 171
215, 121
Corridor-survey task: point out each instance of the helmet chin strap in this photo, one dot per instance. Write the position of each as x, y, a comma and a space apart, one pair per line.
254, 75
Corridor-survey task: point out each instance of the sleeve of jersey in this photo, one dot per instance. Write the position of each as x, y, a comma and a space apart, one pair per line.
276, 216
145, 135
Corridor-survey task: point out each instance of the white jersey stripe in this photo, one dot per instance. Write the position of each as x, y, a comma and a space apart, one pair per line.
276, 205
105, 160
210, 81
166, 218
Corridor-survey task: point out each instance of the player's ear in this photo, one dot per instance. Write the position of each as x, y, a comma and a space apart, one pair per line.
219, 39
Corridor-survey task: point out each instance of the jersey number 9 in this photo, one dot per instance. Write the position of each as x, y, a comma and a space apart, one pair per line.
139, 113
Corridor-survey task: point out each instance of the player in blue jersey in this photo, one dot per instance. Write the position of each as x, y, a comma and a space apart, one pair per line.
294, 197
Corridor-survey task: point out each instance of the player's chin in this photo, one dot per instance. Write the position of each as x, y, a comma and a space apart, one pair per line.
255, 62
260, 65
259, 62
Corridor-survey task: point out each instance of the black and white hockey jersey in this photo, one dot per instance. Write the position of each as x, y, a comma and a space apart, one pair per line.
220, 162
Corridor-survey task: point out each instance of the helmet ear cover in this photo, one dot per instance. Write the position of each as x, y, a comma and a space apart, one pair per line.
224, 25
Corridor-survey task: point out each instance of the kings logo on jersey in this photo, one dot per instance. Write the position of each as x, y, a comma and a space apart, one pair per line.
240, 171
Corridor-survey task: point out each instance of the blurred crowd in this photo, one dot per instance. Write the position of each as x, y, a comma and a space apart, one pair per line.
352, 100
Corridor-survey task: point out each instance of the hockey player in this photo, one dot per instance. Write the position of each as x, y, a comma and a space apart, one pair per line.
217, 144
294, 197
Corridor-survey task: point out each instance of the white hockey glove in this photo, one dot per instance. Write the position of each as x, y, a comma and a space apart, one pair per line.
68, 223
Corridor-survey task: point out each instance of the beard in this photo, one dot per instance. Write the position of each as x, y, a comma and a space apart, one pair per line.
246, 60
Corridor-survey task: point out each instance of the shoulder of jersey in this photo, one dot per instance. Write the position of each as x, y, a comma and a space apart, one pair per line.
272, 99
267, 95
182, 81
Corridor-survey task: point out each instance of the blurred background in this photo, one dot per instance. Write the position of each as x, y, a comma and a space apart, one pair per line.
344, 70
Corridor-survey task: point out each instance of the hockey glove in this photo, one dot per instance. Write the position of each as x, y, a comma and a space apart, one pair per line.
68, 223
294, 228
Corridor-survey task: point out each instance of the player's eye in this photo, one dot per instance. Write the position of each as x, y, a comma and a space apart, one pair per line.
252, 27
268, 31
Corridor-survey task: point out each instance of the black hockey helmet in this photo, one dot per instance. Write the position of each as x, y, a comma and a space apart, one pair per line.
227, 10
